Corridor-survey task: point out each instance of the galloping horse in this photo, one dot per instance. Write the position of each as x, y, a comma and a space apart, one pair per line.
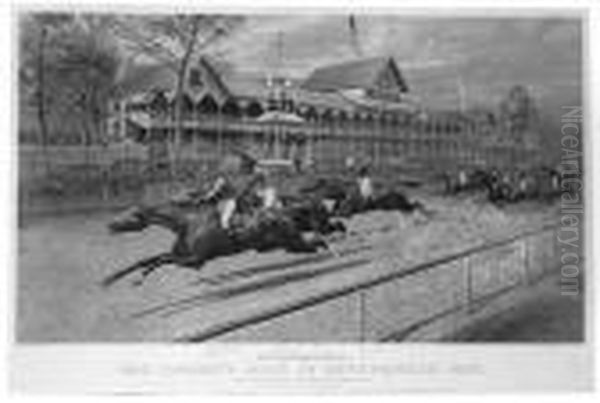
310, 214
334, 189
201, 238
307, 213
348, 202
498, 191
463, 181
541, 184
390, 200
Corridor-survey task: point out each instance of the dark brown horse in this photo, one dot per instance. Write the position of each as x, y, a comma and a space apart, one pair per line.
200, 237
333, 189
538, 184
347, 201
390, 200
464, 181
310, 214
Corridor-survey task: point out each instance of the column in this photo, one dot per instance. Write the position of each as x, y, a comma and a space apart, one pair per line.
219, 131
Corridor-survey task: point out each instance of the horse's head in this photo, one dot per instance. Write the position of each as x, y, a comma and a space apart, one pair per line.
133, 219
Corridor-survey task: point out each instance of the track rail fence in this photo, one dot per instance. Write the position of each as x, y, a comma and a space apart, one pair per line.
430, 300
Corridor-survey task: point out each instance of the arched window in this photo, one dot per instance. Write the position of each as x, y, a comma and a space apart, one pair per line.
195, 78
187, 104
159, 103
231, 108
301, 110
208, 105
254, 109
448, 127
311, 114
369, 120
327, 115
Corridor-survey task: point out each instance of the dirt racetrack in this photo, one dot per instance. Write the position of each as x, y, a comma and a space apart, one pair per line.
62, 259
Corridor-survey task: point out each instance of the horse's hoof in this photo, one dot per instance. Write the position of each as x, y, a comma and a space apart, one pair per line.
137, 283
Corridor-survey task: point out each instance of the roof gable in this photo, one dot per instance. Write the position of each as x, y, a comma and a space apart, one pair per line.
246, 84
139, 79
211, 80
364, 74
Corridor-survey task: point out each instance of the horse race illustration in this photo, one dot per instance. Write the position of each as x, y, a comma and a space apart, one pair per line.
306, 178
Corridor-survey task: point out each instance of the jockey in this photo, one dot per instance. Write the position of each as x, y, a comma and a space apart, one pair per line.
267, 190
365, 184
494, 174
554, 180
227, 203
523, 182
350, 163
223, 191
462, 177
506, 179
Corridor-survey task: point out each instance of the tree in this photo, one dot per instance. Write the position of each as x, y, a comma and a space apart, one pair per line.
88, 63
36, 32
174, 40
518, 112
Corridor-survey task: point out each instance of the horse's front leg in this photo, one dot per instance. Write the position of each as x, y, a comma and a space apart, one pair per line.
191, 262
167, 258
150, 264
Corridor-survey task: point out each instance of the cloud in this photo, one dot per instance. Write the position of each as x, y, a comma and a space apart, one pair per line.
492, 53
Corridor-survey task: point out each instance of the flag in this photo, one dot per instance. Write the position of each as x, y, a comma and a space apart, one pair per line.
352, 23
354, 35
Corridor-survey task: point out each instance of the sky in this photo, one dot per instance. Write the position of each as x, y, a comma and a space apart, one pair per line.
436, 54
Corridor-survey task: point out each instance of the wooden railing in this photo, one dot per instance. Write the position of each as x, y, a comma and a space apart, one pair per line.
428, 300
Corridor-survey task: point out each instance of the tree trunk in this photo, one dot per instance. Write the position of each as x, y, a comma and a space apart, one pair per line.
42, 121
178, 115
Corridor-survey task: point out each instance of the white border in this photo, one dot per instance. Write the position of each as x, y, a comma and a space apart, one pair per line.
540, 365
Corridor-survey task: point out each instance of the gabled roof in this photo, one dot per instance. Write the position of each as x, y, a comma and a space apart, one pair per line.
137, 79
323, 100
245, 84
141, 78
213, 68
143, 81
356, 74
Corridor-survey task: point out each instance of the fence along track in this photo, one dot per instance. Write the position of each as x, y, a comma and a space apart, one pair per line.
262, 284
305, 269
278, 266
224, 328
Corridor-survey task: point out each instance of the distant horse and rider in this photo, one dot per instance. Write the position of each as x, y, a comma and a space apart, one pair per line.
511, 185
348, 197
464, 180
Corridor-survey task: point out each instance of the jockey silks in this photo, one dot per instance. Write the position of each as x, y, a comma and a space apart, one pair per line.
365, 187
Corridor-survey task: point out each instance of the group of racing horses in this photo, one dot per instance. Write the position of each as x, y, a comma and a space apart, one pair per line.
300, 223
506, 186
313, 209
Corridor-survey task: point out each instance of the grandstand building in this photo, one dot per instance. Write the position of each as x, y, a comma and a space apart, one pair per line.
362, 108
